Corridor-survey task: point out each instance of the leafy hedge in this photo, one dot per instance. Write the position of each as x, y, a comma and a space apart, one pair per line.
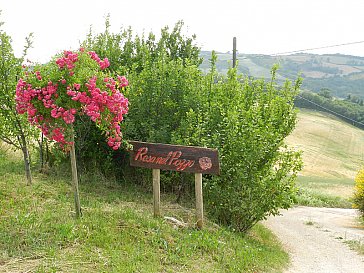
171, 101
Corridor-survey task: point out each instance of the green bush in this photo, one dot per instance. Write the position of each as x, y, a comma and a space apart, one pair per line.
247, 121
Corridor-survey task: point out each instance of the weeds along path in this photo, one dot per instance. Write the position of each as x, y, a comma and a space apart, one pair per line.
317, 239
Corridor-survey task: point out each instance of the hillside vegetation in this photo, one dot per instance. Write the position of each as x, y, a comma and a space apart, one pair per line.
342, 74
333, 152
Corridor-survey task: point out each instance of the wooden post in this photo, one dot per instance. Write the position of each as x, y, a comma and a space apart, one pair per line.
199, 199
41, 155
234, 52
156, 192
75, 178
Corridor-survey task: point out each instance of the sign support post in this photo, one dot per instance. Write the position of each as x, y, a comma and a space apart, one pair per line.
156, 192
199, 200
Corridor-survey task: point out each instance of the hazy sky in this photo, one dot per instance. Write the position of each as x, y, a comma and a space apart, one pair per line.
261, 26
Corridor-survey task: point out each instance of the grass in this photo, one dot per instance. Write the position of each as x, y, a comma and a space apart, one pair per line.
324, 192
331, 186
331, 147
333, 152
309, 223
357, 246
117, 233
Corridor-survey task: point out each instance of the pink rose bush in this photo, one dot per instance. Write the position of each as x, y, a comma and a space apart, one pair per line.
54, 94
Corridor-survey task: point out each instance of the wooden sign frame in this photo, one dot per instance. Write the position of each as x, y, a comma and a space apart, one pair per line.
174, 158
179, 158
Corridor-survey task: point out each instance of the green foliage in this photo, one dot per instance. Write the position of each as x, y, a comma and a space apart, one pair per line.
354, 99
12, 125
247, 121
127, 52
160, 96
14, 129
359, 192
162, 74
326, 93
318, 191
312, 198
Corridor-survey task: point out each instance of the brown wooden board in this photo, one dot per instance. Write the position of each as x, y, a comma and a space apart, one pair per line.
174, 158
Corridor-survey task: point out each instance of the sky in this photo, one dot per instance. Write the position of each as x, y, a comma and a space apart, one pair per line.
260, 26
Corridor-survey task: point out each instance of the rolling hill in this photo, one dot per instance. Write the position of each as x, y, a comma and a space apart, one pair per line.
341, 74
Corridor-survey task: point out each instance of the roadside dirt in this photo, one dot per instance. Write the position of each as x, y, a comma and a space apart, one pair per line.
315, 239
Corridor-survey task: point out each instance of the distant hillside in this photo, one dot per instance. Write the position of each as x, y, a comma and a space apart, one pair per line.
342, 74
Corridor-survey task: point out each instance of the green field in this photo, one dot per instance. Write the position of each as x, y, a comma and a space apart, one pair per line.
117, 233
333, 152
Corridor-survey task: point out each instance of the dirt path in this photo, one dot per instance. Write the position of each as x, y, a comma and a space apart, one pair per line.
315, 239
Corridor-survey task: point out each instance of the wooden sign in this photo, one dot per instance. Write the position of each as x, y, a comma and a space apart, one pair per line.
174, 158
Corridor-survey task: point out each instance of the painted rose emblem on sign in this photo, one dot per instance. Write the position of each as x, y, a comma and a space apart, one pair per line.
205, 163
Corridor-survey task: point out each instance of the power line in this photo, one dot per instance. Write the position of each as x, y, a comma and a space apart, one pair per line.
316, 48
303, 50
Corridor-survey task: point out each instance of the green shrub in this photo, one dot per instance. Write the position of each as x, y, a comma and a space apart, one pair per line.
247, 121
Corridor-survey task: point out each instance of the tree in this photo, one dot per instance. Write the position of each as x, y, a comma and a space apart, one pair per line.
14, 128
326, 93
71, 85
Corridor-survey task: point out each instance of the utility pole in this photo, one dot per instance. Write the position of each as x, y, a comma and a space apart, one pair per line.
234, 52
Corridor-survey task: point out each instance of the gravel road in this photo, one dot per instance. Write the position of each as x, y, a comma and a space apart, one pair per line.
315, 239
